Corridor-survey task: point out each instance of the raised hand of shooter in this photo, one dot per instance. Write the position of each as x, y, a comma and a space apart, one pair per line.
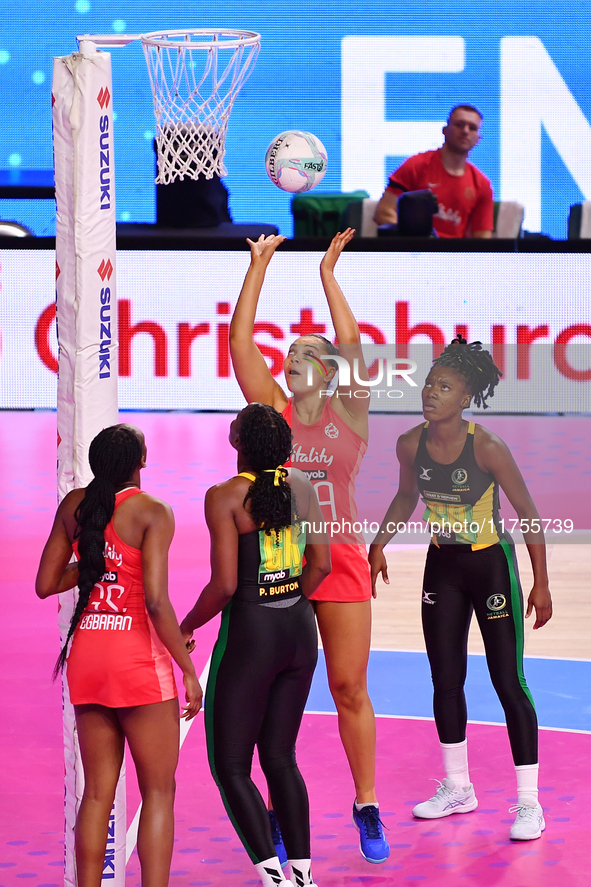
339, 242
262, 250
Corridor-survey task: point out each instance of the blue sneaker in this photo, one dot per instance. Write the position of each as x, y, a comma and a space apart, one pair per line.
372, 843
277, 839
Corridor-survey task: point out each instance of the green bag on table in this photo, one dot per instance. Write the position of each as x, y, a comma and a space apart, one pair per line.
321, 215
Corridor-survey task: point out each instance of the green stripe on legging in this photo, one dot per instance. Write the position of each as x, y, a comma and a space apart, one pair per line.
517, 611
216, 661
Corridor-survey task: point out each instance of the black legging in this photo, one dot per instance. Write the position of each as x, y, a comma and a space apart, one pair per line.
457, 581
260, 676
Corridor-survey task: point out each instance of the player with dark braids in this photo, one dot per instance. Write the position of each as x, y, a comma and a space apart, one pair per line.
261, 441
111, 465
475, 365
123, 633
328, 415
265, 655
457, 468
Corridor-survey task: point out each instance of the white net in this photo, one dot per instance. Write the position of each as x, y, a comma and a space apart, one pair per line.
196, 76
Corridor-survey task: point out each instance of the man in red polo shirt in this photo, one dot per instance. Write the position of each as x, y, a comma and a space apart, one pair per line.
463, 193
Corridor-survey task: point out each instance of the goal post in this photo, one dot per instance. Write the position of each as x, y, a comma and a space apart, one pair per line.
86, 311
195, 76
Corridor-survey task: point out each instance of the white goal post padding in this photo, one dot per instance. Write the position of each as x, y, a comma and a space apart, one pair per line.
87, 336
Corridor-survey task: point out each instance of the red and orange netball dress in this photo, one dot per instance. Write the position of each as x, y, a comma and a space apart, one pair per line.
330, 454
117, 659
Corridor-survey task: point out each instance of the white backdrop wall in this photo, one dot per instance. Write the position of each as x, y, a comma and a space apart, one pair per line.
175, 308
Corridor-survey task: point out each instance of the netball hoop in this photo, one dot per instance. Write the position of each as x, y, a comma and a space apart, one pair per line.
193, 96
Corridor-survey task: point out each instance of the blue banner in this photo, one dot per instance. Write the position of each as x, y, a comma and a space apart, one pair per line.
374, 83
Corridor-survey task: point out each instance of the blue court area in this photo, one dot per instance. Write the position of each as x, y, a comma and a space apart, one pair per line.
400, 685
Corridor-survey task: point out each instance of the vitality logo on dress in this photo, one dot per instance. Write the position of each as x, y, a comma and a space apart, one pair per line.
298, 454
112, 554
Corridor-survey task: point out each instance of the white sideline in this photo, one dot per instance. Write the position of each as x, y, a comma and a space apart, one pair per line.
131, 839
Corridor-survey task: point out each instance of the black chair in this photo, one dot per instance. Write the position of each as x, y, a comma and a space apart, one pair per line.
415, 216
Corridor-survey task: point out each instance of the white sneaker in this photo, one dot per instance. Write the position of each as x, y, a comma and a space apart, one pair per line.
297, 882
529, 822
447, 799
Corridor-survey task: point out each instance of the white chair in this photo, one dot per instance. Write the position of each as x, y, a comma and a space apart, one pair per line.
368, 227
359, 215
508, 219
579, 221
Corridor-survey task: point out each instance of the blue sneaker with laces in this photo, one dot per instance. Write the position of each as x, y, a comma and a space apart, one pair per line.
372, 842
277, 839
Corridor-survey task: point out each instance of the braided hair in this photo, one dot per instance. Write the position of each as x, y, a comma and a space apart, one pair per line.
475, 365
265, 442
114, 455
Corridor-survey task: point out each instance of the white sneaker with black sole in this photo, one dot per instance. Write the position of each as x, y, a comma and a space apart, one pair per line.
529, 822
447, 799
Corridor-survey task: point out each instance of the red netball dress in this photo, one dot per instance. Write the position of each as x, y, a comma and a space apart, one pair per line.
330, 454
116, 658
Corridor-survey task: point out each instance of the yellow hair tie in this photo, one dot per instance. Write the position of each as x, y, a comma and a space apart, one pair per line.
278, 472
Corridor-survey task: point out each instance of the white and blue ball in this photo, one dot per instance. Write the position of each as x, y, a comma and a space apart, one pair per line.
296, 161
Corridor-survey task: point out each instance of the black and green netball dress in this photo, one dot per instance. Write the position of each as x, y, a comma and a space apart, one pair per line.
471, 565
259, 680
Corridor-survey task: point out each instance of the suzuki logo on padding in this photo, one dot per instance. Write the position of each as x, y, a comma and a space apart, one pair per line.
104, 97
105, 269
106, 337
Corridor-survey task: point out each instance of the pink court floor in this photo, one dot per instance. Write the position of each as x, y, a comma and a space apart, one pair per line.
187, 454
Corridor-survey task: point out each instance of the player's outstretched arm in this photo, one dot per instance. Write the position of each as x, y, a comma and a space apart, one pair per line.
253, 374
348, 337
343, 319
